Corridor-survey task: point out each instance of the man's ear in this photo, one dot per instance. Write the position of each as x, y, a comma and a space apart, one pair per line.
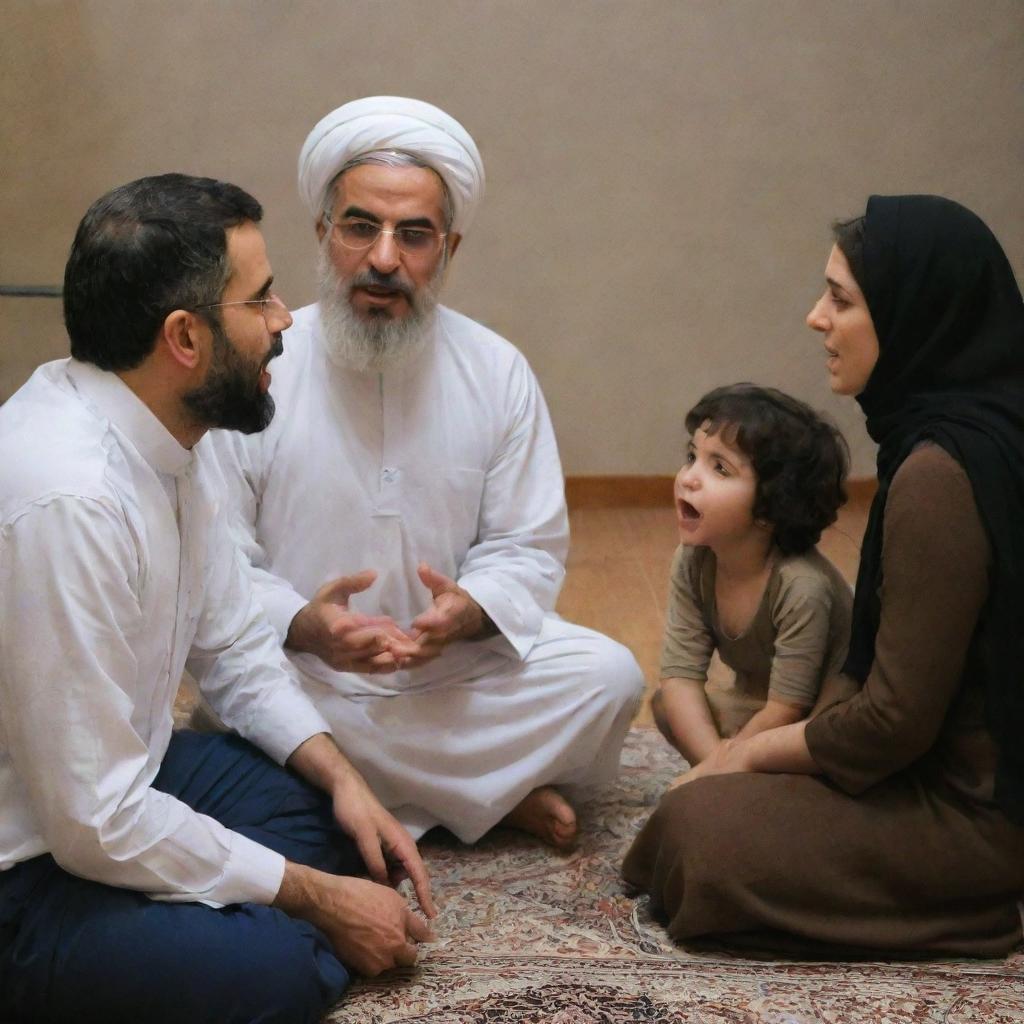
181, 333
321, 229
454, 238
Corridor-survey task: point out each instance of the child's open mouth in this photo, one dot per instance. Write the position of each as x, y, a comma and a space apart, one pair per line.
688, 516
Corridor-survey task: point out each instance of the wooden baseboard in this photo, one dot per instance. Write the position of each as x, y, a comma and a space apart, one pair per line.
617, 491
656, 491
861, 489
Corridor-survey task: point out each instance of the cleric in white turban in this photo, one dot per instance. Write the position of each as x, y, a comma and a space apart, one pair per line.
393, 123
404, 514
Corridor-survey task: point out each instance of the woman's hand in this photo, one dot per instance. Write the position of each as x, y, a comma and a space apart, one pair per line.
777, 750
729, 757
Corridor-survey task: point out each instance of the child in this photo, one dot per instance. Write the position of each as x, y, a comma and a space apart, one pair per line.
763, 477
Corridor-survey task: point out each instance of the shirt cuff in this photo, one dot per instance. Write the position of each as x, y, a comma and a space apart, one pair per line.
253, 874
518, 621
794, 699
820, 737
284, 723
280, 605
499, 644
682, 672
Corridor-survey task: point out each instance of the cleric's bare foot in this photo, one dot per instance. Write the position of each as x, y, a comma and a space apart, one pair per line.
546, 814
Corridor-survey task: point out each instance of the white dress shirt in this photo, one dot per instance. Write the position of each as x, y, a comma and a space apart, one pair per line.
116, 573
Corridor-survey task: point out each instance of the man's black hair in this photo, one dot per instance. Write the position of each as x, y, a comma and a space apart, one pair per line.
142, 251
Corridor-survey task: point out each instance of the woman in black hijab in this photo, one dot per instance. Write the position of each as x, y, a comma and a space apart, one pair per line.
893, 819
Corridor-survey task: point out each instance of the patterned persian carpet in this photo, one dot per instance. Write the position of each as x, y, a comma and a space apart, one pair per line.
528, 936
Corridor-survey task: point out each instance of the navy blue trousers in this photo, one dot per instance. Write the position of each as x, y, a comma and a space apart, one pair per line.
72, 950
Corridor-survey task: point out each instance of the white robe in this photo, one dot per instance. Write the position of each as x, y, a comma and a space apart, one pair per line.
449, 458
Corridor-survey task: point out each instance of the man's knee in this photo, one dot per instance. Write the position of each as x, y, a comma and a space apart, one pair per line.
270, 968
615, 672
293, 978
229, 966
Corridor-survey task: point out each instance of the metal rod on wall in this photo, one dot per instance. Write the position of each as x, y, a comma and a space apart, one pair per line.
32, 291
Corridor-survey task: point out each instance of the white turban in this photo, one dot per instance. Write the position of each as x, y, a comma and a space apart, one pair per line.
393, 122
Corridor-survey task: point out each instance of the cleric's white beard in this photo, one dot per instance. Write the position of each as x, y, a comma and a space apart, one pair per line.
377, 345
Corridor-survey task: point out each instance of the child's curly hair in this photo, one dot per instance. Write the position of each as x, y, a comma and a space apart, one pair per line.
799, 457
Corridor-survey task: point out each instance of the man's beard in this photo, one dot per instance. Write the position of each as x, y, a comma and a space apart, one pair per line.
382, 342
231, 398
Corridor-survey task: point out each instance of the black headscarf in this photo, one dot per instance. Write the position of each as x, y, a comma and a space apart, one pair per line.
950, 370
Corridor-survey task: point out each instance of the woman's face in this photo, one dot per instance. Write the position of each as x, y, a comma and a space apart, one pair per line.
843, 317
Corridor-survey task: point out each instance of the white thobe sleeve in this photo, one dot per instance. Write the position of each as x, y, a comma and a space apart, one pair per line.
71, 693
238, 661
515, 568
240, 464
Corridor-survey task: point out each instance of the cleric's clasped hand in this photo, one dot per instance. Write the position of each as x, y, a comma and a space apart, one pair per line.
453, 615
350, 642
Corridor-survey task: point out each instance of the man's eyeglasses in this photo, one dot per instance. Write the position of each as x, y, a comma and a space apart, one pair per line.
268, 306
354, 233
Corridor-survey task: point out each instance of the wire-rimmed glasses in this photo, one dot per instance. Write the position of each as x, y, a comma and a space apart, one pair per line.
411, 239
269, 304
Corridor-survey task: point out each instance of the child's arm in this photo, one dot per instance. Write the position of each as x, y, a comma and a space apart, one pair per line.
680, 708
804, 649
682, 714
773, 744
775, 750
771, 716
771, 741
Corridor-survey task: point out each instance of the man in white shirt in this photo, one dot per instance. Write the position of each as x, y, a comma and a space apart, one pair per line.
405, 517
146, 876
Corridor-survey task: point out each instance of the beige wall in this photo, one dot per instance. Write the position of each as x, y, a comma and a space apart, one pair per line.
661, 174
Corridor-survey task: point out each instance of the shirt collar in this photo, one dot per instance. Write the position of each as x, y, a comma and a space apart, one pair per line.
116, 402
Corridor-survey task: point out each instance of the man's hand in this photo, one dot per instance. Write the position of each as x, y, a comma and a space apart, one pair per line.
388, 851
370, 926
386, 848
454, 615
345, 641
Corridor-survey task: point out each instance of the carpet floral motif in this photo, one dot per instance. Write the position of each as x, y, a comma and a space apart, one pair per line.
529, 936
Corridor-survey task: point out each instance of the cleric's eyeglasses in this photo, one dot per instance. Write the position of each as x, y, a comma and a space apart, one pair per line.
412, 240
